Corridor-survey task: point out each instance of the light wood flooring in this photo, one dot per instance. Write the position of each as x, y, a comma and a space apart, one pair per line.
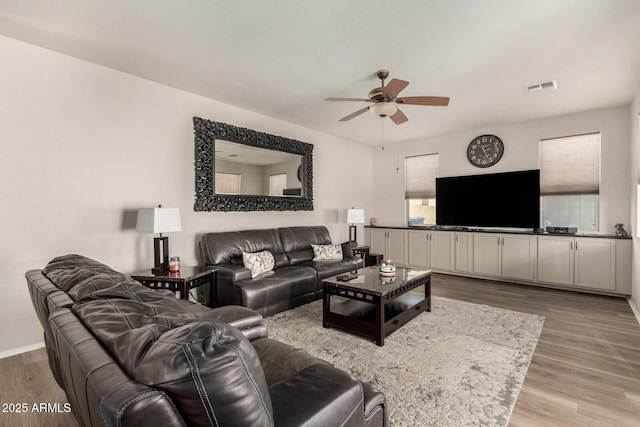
585, 370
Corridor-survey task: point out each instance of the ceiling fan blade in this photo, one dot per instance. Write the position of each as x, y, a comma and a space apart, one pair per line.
352, 115
438, 101
394, 87
399, 118
348, 99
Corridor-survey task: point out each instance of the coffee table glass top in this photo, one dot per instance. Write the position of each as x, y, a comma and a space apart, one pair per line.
370, 281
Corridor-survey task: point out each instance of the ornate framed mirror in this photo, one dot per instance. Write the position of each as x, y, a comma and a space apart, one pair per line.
238, 169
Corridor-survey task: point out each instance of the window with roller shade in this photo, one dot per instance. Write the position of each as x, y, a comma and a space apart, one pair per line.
570, 181
227, 183
420, 188
277, 184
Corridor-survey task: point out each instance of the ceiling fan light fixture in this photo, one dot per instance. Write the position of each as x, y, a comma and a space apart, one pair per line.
384, 109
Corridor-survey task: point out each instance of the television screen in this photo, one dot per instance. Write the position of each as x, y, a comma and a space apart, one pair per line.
510, 199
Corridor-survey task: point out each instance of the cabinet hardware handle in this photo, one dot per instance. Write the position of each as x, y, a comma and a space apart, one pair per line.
571, 245
576, 246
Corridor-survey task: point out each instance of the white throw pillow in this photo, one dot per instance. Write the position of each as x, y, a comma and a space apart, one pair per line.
258, 262
325, 252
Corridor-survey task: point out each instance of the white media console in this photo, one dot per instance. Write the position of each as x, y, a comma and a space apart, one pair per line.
589, 263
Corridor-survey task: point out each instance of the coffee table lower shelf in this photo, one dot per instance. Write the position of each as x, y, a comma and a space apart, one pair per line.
376, 319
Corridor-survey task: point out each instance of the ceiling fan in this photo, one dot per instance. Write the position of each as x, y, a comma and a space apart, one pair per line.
385, 100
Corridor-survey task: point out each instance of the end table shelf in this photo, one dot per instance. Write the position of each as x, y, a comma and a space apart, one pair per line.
181, 281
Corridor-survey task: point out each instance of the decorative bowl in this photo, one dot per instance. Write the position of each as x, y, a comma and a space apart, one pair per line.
387, 268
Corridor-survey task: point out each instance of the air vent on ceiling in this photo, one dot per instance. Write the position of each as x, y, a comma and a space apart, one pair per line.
552, 85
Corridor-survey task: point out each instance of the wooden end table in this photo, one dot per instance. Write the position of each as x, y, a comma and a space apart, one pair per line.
181, 281
375, 306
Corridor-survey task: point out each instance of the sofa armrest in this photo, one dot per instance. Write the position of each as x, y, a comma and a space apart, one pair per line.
249, 321
227, 276
232, 272
319, 395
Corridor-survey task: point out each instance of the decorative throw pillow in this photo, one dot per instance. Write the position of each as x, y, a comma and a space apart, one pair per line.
258, 262
324, 252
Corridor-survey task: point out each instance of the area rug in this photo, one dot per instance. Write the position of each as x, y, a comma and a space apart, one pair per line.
462, 364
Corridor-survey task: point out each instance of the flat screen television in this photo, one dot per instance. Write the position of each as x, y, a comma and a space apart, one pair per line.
509, 200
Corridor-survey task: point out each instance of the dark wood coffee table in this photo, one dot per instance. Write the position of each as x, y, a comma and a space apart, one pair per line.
373, 305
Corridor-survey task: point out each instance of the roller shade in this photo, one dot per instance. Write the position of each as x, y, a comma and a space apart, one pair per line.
277, 183
570, 165
420, 176
227, 183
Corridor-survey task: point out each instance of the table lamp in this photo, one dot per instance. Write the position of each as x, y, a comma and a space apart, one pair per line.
159, 220
354, 216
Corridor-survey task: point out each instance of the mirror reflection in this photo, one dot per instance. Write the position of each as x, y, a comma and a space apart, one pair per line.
247, 170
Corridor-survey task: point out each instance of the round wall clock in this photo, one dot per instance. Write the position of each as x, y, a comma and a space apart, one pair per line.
485, 151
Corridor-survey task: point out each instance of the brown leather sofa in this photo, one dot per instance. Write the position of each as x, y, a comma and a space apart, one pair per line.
127, 355
296, 278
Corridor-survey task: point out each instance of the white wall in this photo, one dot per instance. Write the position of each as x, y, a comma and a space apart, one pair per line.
634, 118
84, 146
521, 153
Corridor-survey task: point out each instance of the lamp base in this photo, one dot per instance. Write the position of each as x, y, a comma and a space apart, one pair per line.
160, 255
353, 240
160, 270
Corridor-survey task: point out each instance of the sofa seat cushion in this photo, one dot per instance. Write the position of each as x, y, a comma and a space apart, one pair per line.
281, 284
318, 396
328, 268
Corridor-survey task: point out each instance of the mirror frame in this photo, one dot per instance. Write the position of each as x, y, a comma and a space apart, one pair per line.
206, 132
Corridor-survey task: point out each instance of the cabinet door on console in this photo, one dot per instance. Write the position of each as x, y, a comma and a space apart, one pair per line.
486, 254
555, 259
419, 248
519, 256
595, 264
464, 252
397, 244
442, 250
378, 243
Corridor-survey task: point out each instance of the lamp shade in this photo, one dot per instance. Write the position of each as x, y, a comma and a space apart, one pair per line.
355, 216
158, 220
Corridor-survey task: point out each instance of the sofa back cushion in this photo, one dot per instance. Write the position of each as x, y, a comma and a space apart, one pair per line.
208, 368
227, 247
296, 241
66, 271
99, 391
212, 373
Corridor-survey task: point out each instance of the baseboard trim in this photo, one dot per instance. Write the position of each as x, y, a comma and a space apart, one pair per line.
19, 350
634, 308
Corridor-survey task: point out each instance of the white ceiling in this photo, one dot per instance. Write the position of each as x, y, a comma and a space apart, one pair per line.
282, 58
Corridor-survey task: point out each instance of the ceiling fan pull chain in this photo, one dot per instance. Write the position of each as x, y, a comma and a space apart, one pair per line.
382, 121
